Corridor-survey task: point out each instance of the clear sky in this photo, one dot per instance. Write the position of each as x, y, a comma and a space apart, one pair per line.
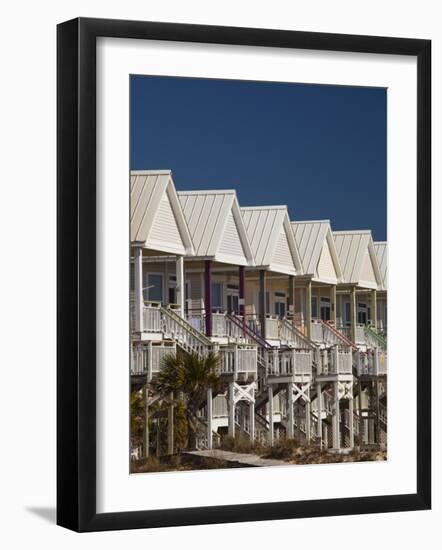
319, 149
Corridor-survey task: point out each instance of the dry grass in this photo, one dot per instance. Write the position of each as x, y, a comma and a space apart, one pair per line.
290, 451
180, 463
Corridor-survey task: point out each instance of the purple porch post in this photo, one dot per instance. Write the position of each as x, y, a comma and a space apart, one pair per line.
242, 308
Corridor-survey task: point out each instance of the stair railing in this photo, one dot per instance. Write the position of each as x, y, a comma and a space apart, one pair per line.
190, 339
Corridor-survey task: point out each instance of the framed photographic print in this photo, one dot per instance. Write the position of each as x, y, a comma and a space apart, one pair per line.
243, 274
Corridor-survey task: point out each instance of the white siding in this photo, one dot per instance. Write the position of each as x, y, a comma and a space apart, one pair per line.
165, 232
230, 242
367, 272
326, 268
282, 255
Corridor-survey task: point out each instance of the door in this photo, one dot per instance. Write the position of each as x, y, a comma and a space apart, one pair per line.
232, 298
280, 304
325, 308
362, 313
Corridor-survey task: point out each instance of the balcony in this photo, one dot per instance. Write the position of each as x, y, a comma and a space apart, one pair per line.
334, 361
239, 360
372, 363
147, 360
291, 363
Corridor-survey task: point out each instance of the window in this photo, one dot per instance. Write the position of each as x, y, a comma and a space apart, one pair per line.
314, 307
347, 316
217, 295
153, 287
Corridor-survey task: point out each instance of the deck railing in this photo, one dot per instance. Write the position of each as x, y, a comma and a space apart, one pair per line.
372, 363
290, 362
147, 360
189, 338
239, 359
335, 361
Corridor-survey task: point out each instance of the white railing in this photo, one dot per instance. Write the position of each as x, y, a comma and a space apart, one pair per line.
239, 359
152, 317
148, 360
184, 333
335, 361
290, 335
290, 362
372, 363
272, 328
316, 332
139, 361
219, 325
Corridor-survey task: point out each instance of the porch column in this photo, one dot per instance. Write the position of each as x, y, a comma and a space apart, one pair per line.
292, 297
209, 419
308, 433
146, 422
290, 404
351, 427
308, 305
319, 398
231, 405
170, 428
262, 301
333, 303
374, 309
180, 284
208, 296
139, 302
242, 296
252, 420
336, 419
270, 391
353, 313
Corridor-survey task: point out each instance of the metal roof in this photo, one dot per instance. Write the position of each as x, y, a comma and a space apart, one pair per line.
354, 248
216, 226
311, 237
381, 249
156, 219
271, 238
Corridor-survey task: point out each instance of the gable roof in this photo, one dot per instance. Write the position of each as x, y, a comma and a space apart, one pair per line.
315, 242
271, 238
216, 226
358, 258
381, 249
156, 218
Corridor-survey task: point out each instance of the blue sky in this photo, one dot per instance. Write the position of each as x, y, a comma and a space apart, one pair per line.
319, 149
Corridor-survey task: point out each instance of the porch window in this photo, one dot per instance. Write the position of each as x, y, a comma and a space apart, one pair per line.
314, 307
153, 287
217, 295
347, 317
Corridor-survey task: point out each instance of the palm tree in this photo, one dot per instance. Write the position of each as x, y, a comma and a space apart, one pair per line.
190, 375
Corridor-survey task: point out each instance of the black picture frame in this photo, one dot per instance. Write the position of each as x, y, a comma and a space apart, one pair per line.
76, 274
